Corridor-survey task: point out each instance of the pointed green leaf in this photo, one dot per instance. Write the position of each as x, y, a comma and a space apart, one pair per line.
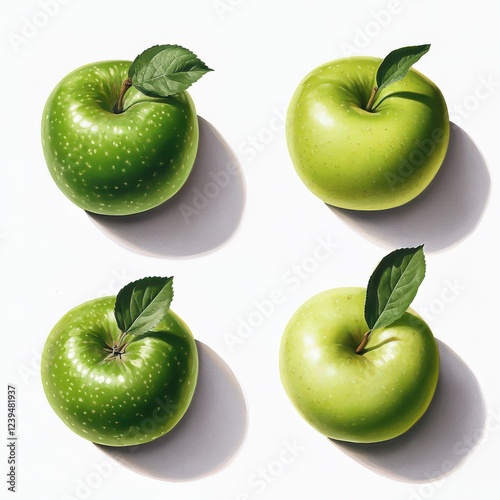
142, 304
393, 286
165, 70
397, 64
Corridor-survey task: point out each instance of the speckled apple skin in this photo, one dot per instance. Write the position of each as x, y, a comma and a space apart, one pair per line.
117, 163
124, 400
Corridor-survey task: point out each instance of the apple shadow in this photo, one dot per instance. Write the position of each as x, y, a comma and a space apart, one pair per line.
200, 217
440, 442
444, 214
206, 438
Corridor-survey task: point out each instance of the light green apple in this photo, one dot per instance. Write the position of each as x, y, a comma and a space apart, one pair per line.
365, 397
355, 156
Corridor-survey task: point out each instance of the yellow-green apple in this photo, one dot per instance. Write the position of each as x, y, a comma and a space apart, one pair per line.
367, 134
358, 364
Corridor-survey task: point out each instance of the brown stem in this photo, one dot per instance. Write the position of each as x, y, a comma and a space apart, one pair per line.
363, 342
372, 99
117, 351
127, 83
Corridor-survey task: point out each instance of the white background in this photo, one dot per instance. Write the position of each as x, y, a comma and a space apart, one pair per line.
54, 256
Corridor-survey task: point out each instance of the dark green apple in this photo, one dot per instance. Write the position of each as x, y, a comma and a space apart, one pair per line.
112, 144
120, 388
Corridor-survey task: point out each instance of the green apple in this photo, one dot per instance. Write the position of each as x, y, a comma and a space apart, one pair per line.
119, 137
352, 386
365, 144
115, 385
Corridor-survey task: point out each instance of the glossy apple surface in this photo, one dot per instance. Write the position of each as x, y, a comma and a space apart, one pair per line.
118, 400
117, 163
362, 398
366, 160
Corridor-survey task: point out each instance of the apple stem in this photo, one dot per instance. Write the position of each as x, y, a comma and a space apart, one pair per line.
363, 342
127, 83
119, 347
117, 352
121, 339
372, 99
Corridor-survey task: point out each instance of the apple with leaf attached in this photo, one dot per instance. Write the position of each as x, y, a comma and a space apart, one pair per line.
358, 364
121, 137
367, 134
121, 370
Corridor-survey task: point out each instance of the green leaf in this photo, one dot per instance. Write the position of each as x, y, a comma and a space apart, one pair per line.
142, 304
393, 286
397, 64
166, 70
